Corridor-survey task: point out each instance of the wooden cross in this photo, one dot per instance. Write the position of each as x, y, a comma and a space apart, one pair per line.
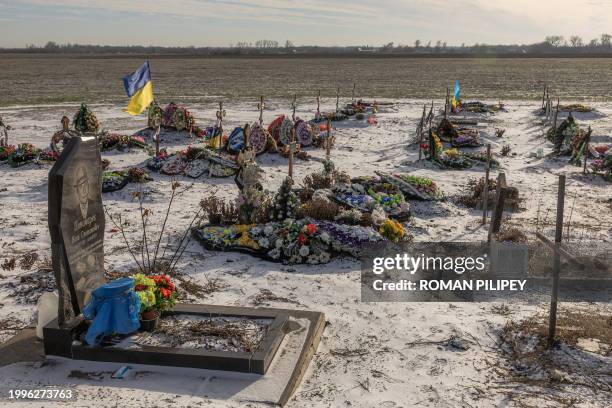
292, 148
485, 192
293, 106
447, 103
552, 317
247, 133
338, 100
218, 133
586, 149
498, 210
353, 92
319, 104
420, 129
261, 105
556, 116
328, 140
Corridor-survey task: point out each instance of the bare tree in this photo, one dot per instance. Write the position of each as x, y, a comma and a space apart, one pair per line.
289, 44
576, 41
594, 42
555, 40
417, 43
606, 40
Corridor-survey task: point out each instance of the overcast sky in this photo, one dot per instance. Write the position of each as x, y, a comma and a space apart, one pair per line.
321, 22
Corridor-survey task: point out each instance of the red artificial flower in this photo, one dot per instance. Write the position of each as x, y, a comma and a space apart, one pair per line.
302, 239
140, 287
311, 229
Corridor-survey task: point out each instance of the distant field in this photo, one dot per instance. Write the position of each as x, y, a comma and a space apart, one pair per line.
50, 79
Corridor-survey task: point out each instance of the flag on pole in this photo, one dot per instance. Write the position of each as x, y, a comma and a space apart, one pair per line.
139, 89
456, 95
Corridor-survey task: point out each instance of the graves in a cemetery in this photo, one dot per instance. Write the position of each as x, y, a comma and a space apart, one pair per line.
76, 223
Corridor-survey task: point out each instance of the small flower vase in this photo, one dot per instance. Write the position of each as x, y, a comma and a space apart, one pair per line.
149, 320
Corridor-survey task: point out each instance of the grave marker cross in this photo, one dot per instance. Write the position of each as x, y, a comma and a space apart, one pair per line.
292, 148
319, 104
338, 100
293, 106
328, 140
261, 106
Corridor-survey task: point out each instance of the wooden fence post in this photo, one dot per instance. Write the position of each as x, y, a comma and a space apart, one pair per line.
421, 128
446, 103
544, 95
586, 149
485, 193
498, 211
556, 115
552, 318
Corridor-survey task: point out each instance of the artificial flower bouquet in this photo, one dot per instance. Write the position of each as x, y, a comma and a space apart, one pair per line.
156, 293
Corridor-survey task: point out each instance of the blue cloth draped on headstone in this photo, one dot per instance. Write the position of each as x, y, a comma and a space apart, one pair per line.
114, 308
236, 140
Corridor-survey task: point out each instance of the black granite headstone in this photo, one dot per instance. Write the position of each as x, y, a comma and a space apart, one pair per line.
76, 223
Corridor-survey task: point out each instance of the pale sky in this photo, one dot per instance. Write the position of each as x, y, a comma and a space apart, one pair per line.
304, 22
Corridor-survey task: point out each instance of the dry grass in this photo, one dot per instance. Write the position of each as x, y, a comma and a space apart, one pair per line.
196, 289
531, 362
510, 235
265, 296
239, 333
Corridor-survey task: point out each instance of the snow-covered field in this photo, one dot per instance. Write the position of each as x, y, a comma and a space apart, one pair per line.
367, 356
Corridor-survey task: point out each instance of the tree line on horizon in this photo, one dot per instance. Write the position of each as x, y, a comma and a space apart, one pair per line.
553, 45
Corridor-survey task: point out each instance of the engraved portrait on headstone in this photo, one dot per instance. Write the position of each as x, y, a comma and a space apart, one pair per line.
76, 222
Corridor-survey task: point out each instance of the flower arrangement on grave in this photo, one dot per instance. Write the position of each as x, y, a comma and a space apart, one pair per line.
446, 131
285, 202
178, 117
303, 132
145, 289
193, 162
138, 175
453, 158
285, 131
578, 147
481, 156
155, 115
296, 241
157, 293
85, 121
275, 126
564, 134
48, 154
466, 137
109, 141
24, 153
392, 230
603, 166
165, 292
6, 151
437, 146
113, 180
424, 185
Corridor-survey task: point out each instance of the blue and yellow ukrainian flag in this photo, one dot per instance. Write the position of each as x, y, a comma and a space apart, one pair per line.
456, 95
139, 88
